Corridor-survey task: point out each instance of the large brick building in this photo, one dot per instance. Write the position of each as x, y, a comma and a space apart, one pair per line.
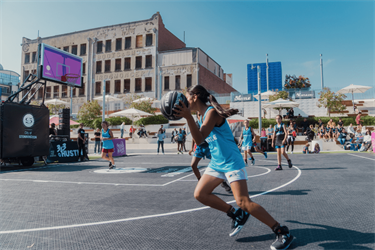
140, 57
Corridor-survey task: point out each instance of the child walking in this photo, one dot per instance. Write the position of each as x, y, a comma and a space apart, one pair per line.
226, 162
278, 141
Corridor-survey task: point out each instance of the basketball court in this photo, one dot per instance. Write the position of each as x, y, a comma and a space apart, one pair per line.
326, 200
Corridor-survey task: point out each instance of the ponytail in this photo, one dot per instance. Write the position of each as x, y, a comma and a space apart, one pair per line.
204, 96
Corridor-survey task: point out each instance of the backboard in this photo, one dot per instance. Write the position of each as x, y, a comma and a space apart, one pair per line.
59, 66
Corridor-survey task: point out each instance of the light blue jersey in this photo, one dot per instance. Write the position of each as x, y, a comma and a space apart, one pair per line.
108, 144
247, 137
225, 156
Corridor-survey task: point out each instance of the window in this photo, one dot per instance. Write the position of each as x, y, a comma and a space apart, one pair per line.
25, 74
108, 46
33, 57
188, 81
148, 81
149, 61
56, 91
40, 93
138, 84
99, 67
127, 63
149, 40
107, 87
66, 48
139, 41
83, 68
107, 67
117, 86
64, 92
99, 47
27, 58
82, 90
138, 62
126, 85
118, 43
98, 87
117, 106
74, 49
128, 42
166, 82
118, 65
48, 92
83, 49
178, 82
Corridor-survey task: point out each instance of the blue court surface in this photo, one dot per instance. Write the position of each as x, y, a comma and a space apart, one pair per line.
326, 200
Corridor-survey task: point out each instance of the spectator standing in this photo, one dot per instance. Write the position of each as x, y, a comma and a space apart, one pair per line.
180, 142
174, 133
122, 129
291, 137
81, 140
52, 129
185, 135
161, 127
358, 118
108, 147
161, 137
305, 125
131, 131
291, 113
97, 148
263, 133
270, 132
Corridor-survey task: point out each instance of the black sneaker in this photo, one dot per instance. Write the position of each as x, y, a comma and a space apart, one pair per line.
283, 238
246, 161
279, 168
253, 161
290, 163
110, 165
226, 187
239, 219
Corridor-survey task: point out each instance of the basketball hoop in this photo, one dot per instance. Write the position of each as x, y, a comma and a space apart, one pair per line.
70, 78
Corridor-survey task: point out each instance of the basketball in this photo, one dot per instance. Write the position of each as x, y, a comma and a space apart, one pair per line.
168, 102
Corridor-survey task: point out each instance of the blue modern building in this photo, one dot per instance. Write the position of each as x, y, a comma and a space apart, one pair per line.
274, 74
9, 82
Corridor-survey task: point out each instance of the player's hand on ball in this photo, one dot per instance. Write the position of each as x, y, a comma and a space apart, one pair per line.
181, 110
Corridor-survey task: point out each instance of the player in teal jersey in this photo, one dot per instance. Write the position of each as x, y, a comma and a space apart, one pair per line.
248, 143
226, 162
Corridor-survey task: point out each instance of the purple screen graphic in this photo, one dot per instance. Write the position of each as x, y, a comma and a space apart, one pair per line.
56, 64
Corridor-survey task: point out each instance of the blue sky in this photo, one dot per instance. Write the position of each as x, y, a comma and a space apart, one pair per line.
233, 33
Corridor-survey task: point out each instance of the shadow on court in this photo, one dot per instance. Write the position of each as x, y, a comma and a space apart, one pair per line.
289, 192
330, 237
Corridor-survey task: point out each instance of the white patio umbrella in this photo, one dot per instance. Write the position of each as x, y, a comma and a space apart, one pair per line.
144, 99
281, 103
108, 98
55, 102
131, 113
265, 95
351, 89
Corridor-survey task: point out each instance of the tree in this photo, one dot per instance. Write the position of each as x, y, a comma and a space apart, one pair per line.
331, 101
130, 97
280, 95
54, 109
293, 82
144, 106
88, 112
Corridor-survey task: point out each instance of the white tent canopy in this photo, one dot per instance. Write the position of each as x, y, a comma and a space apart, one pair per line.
266, 95
55, 102
281, 103
351, 89
131, 113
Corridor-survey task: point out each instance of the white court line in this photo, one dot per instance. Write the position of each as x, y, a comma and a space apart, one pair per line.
362, 157
141, 217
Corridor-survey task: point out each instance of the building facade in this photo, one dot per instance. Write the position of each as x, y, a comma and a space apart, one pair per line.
9, 83
141, 57
274, 77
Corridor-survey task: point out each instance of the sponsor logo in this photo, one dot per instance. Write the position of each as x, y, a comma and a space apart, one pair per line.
244, 98
211, 139
62, 152
28, 120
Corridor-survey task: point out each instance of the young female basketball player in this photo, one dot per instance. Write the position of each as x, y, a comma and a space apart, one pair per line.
248, 142
108, 147
278, 141
202, 151
226, 162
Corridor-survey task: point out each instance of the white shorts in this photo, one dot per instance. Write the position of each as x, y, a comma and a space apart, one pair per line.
231, 176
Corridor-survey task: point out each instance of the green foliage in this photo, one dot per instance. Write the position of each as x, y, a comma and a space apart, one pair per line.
88, 112
331, 101
74, 126
112, 121
293, 82
54, 109
156, 119
143, 106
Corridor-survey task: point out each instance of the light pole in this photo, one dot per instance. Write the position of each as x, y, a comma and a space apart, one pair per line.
321, 71
259, 99
71, 101
103, 111
268, 84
